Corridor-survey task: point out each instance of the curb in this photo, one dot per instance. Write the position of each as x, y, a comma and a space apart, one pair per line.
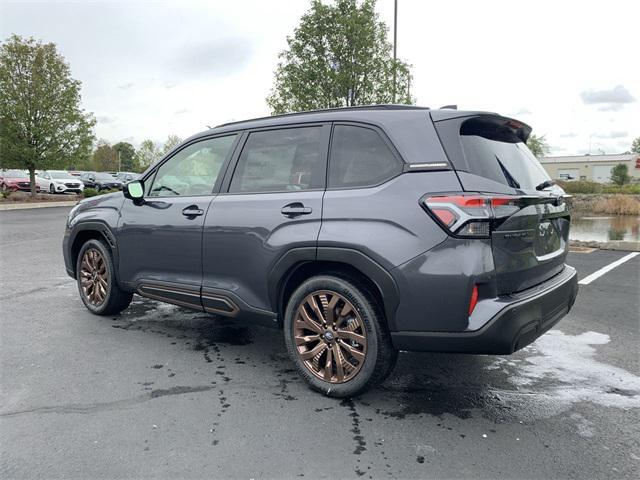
619, 245
25, 206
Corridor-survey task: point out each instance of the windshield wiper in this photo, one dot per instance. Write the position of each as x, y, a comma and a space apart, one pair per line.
545, 184
512, 181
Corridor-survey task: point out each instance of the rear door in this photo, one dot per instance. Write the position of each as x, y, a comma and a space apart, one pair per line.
530, 241
270, 203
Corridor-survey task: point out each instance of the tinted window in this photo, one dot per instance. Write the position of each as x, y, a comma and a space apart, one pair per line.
493, 148
193, 170
280, 160
360, 158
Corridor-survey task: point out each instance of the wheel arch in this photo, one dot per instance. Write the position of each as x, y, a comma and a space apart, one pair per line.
91, 231
300, 264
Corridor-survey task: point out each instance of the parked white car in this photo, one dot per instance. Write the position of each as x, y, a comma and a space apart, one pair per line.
58, 181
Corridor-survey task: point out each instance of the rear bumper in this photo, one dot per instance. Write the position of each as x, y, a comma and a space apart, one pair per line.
524, 317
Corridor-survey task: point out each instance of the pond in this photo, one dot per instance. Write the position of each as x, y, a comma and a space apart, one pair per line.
605, 228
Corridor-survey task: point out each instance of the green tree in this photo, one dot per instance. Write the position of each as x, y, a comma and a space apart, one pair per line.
42, 124
538, 145
147, 154
635, 146
126, 156
338, 56
105, 157
620, 174
172, 141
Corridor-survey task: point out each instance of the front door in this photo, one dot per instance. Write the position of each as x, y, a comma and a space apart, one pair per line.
272, 204
160, 239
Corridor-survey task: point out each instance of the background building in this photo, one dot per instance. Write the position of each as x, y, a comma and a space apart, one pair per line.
594, 168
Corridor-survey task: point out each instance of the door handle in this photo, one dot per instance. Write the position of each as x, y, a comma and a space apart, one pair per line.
295, 209
192, 211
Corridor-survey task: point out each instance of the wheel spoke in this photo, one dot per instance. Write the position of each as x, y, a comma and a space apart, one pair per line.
355, 353
306, 339
316, 309
85, 264
309, 354
349, 335
338, 362
328, 366
308, 321
330, 312
346, 309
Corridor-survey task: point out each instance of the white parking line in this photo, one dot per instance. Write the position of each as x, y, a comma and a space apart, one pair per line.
587, 280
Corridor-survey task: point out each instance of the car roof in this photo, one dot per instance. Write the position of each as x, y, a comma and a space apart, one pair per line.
409, 127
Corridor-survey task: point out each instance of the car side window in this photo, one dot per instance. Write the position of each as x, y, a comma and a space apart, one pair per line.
193, 170
360, 158
288, 159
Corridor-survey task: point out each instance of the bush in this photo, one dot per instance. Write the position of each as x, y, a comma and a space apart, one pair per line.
581, 186
618, 205
584, 186
629, 188
5, 193
89, 192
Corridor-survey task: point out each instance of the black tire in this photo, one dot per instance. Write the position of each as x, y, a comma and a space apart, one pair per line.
51, 189
380, 355
116, 299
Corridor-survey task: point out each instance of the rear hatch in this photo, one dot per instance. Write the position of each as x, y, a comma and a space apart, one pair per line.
530, 226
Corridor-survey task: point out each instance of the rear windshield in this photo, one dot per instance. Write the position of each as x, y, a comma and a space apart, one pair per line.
492, 147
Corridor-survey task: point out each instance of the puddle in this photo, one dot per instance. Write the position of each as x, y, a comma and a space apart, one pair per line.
605, 228
176, 322
543, 380
568, 362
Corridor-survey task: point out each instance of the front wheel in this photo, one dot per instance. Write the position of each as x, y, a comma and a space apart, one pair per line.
51, 189
96, 280
337, 336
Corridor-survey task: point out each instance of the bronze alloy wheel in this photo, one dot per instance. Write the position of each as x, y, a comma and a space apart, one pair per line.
94, 277
330, 336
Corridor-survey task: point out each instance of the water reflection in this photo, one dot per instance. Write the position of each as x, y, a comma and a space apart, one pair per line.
605, 228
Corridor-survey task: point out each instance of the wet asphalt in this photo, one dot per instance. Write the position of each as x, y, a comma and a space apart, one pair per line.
164, 392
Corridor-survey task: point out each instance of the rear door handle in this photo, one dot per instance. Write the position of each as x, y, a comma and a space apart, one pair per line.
295, 209
192, 211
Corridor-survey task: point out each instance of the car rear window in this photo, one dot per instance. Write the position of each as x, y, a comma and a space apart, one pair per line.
493, 148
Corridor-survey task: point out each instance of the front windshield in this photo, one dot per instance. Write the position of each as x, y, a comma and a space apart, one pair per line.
60, 174
15, 174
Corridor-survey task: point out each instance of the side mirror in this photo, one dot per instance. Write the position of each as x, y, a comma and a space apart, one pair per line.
134, 190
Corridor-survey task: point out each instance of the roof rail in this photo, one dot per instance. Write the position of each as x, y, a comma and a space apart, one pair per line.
334, 109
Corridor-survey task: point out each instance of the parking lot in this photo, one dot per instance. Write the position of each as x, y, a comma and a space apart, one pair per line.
163, 392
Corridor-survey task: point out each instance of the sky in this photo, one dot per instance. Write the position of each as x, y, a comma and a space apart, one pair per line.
152, 68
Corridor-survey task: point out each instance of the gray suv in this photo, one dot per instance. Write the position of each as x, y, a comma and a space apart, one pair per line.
358, 231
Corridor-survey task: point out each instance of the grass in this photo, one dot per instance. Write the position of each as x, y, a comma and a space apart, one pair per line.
617, 205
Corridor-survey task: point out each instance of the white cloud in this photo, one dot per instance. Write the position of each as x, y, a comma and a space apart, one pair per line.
617, 95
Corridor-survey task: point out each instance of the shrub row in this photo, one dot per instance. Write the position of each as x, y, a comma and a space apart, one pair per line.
584, 186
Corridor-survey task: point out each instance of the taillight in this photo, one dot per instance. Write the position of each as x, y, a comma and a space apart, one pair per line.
470, 215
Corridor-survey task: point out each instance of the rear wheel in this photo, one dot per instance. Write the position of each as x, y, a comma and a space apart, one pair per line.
96, 280
336, 335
